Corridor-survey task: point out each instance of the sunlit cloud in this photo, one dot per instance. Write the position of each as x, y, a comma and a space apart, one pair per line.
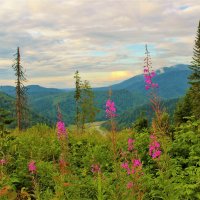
119, 75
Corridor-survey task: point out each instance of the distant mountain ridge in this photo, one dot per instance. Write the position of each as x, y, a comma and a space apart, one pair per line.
127, 95
7, 102
121, 85
172, 81
31, 89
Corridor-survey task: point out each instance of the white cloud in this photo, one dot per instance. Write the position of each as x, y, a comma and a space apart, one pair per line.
58, 37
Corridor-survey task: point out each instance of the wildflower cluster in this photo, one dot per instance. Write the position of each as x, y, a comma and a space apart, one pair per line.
154, 147
110, 109
148, 76
135, 166
32, 167
148, 73
61, 130
132, 165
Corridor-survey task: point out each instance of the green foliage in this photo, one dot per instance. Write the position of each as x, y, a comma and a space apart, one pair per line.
183, 109
88, 110
127, 118
85, 103
140, 124
39, 143
7, 103
186, 151
5, 120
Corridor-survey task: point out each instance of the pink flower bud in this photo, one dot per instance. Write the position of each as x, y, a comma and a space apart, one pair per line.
2, 162
129, 185
32, 167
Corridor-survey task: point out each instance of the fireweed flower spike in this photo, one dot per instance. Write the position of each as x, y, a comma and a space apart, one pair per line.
61, 130
32, 167
149, 74
154, 147
136, 163
110, 109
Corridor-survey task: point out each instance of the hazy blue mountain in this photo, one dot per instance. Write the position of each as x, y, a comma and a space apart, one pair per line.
9, 90
8, 103
172, 82
127, 95
31, 90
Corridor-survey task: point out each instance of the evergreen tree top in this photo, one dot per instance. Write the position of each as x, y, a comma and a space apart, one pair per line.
194, 78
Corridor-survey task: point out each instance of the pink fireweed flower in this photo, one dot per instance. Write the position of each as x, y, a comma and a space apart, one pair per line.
148, 79
148, 76
61, 130
125, 165
153, 74
136, 163
147, 87
2, 162
130, 144
95, 168
110, 109
32, 167
156, 144
156, 154
154, 147
129, 185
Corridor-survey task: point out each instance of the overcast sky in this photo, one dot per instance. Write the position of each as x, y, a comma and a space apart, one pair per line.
103, 39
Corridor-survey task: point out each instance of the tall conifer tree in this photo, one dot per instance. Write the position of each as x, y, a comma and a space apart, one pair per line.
77, 97
21, 100
194, 78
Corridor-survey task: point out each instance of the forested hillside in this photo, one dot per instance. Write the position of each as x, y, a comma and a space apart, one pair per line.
128, 95
8, 103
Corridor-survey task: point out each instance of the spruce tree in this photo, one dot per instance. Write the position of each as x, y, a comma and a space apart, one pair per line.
88, 109
194, 78
77, 97
183, 110
21, 100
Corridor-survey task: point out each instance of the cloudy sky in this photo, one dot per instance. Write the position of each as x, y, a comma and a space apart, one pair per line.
103, 39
